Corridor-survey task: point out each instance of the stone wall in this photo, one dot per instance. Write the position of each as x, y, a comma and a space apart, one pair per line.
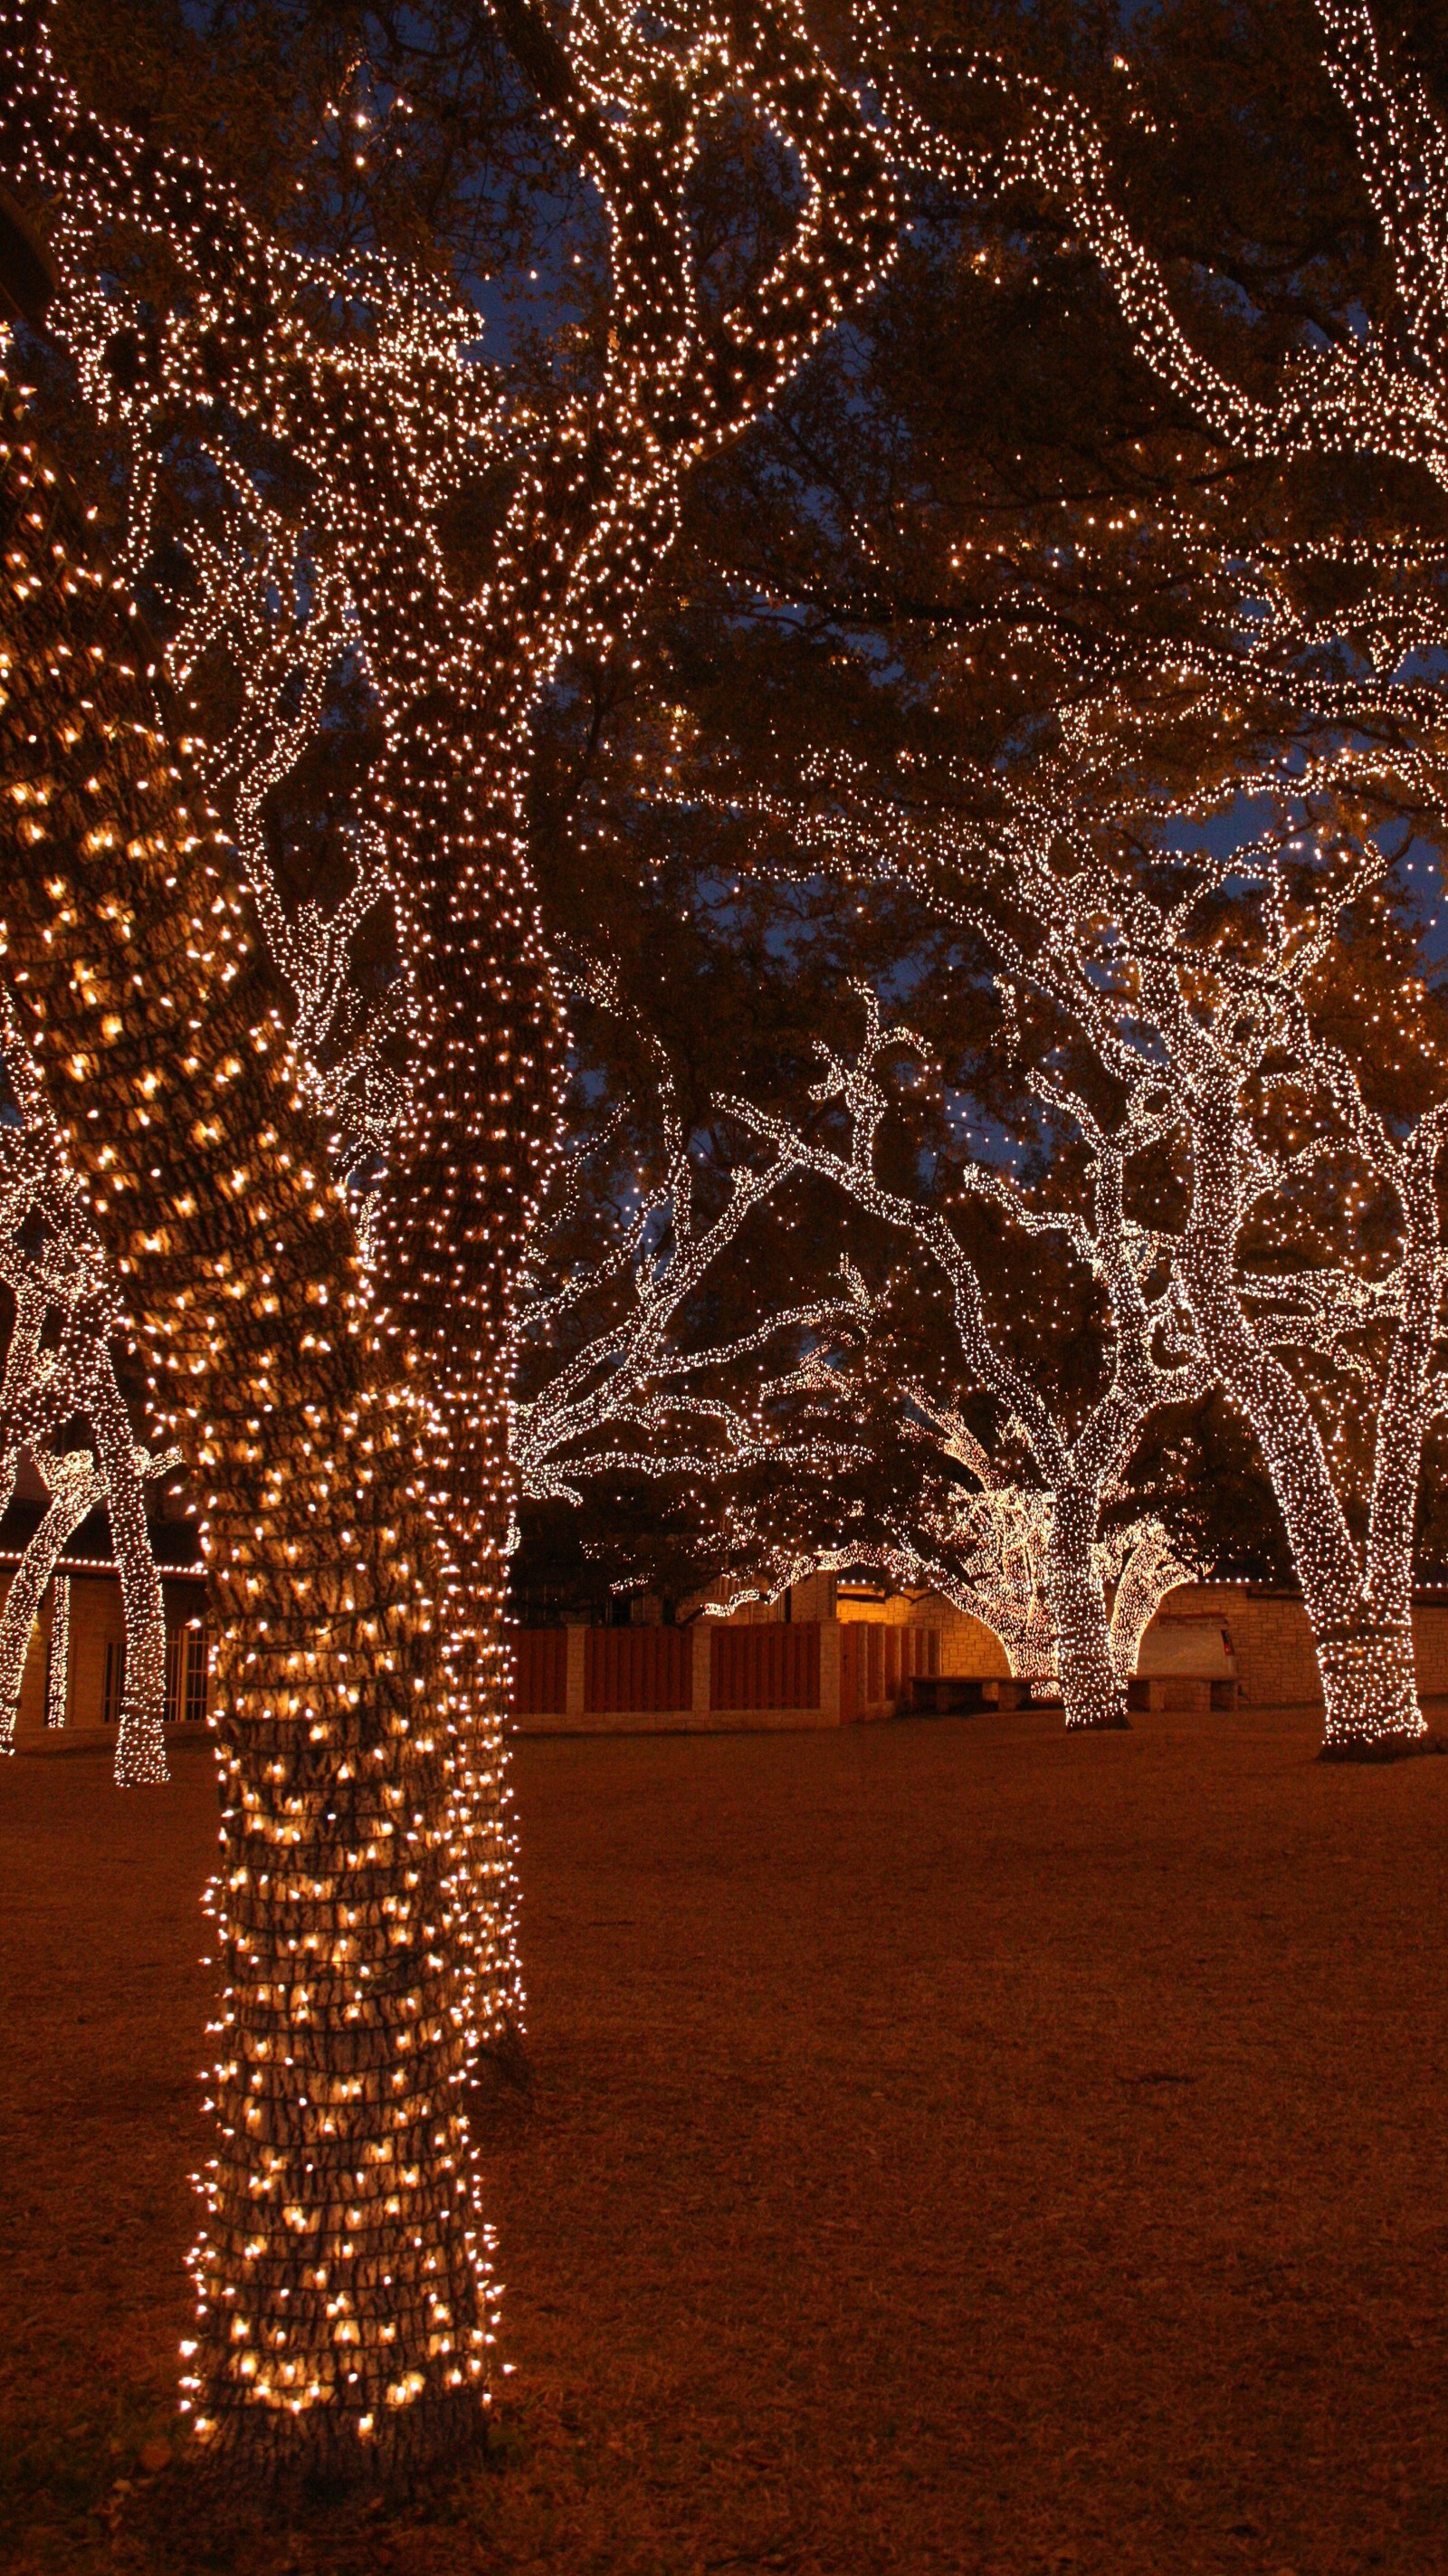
1276, 1664
967, 1645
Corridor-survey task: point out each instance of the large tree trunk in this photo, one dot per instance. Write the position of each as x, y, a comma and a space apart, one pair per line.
1091, 1688
1364, 1645
1369, 1687
447, 1240
343, 2272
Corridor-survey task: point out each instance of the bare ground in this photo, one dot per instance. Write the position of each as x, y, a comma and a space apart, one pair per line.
952, 2146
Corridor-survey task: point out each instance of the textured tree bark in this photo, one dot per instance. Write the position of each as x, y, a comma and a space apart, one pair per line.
343, 2270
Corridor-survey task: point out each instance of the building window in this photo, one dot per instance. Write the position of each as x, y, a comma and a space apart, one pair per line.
115, 1684
198, 1665
186, 1660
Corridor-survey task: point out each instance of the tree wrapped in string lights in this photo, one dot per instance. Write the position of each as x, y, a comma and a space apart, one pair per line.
1199, 980
643, 1394
60, 1372
343, 2272
615, 1378
1078, 1466
351, 1440
987, 1550
366, 375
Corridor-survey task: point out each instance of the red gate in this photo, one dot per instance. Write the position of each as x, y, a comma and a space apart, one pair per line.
876, 1663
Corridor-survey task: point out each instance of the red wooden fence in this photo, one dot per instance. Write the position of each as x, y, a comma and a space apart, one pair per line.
540, 1673
774, 1666
650, 1670
876, 1662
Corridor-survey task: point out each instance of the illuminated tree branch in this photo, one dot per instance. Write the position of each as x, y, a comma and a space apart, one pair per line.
1191, 978
1356, 395
284, 628
52, 1260
1078, 1468
640, 1384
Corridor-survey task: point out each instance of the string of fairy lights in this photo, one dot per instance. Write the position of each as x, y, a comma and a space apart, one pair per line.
344, 2277
344, 2270
285, 636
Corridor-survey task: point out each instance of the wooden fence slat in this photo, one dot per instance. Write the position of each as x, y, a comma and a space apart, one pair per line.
773, 1664
643, 1671
769, 1665
877, 1660
540, 1672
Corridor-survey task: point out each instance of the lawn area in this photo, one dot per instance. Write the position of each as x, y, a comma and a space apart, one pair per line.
951, 2146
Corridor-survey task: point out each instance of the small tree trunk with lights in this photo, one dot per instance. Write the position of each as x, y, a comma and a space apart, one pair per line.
1092, 1691
140, 1740
1359, 1602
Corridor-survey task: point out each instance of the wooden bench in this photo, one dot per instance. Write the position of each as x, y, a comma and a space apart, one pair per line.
1185, 1664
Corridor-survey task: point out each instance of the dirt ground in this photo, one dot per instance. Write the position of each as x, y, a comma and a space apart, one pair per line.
952, 2146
